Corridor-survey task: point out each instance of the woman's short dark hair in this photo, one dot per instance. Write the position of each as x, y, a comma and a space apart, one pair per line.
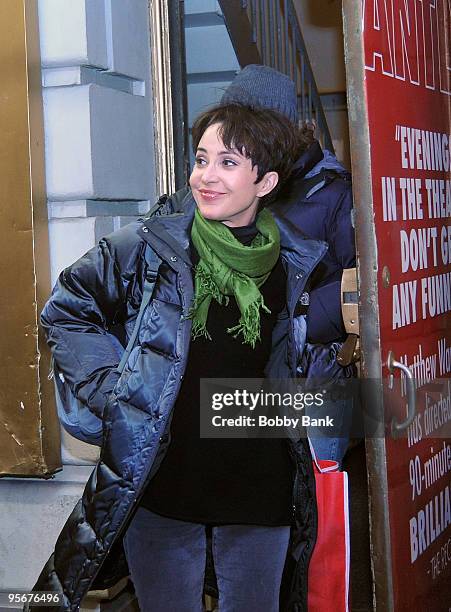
270, 140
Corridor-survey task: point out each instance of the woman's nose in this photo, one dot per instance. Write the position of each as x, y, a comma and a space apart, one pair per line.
209, 174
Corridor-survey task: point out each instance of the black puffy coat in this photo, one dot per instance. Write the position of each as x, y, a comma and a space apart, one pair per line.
101, 290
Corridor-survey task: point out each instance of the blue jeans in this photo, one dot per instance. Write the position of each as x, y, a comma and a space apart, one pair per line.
166, 558
323, 439
330, 448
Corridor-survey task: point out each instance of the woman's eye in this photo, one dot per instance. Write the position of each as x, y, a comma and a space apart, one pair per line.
229, 162
200, 161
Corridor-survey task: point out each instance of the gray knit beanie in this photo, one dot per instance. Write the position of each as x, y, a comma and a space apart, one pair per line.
264, 87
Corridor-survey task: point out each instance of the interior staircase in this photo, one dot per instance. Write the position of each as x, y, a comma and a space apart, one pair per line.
221, 36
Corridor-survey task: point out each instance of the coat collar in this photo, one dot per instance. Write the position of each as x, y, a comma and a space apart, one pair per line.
171, 234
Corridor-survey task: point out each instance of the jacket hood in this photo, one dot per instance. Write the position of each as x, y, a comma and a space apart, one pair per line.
308, 160
329, 162
314, 160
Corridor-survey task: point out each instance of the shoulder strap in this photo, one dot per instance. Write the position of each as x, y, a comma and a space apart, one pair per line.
153, 263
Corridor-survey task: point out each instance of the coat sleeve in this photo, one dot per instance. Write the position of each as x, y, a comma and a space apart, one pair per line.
341, 237
87, 300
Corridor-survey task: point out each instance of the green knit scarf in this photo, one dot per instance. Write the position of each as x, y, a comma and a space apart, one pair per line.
228, 268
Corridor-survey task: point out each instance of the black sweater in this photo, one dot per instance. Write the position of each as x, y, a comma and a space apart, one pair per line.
225, 481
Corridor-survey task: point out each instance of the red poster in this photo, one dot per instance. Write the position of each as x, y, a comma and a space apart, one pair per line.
408, 84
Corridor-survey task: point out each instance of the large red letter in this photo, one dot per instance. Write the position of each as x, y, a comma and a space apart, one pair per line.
430, 43
378, 35
405, 28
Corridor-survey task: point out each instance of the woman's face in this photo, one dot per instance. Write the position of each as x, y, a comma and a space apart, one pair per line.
223, 182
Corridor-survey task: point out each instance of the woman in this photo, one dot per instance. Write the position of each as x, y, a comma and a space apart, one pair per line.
224, 262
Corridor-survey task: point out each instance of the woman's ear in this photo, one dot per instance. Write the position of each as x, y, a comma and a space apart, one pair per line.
267, 183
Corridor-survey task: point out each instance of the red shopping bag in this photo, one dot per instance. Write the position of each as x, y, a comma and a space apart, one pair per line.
328, 577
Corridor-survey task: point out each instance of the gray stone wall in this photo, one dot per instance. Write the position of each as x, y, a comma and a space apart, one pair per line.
99, 152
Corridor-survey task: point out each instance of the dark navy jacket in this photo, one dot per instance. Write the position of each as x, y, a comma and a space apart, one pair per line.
318, 201
104, 289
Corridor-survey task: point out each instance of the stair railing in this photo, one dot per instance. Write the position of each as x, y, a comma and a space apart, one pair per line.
276, 40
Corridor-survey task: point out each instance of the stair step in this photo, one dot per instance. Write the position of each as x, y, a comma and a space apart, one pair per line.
209, 49
201, 6
197, 20
211, 77
203, 95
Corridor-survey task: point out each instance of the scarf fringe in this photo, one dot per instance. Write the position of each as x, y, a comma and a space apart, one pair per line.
207, 287
199, 330
249, 323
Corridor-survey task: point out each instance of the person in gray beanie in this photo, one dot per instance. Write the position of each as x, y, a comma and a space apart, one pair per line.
318, 200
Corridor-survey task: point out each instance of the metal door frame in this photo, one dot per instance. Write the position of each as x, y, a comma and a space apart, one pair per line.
380, 541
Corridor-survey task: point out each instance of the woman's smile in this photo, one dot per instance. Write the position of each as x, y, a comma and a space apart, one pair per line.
210, 195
